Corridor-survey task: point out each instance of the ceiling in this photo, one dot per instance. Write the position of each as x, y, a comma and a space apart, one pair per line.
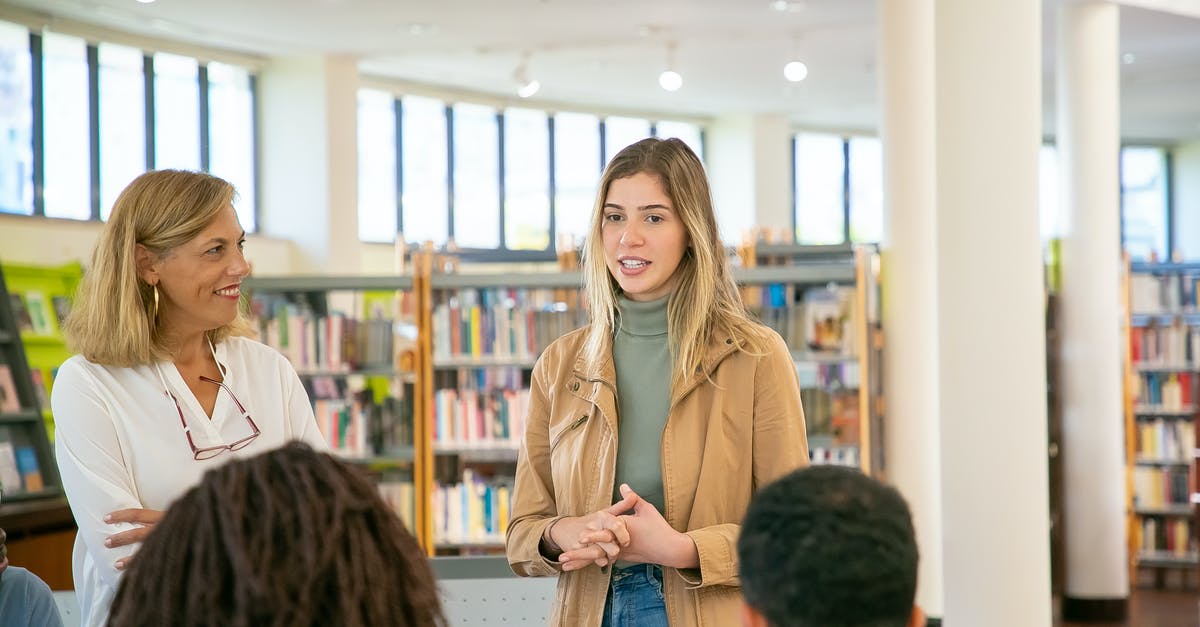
607, 55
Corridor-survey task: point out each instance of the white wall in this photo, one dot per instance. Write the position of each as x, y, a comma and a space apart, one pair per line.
1186, 189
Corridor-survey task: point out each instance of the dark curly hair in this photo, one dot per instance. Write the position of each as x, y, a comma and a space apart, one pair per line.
290, 538
829, 547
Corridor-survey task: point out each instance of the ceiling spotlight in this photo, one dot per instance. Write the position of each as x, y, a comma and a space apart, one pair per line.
670, 80
1128, 58
787, 6
795, 71
146, 1
526, 86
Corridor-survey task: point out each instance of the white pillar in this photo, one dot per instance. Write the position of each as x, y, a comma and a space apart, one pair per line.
772, 172
1088, 131
749, 167
909, 267
991, 346
310, 160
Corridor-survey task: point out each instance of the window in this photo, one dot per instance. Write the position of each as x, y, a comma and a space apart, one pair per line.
689, 133
620, 132
65, 119
231, 135
176, 112
16, 121
476, 176
820, 179
1049, 201
122, 121
377, 183
425, 200
576, 173
1144, 202
866, 189
526, 179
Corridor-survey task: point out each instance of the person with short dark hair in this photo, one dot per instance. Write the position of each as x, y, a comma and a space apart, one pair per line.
24, 598
828, 546
291, 538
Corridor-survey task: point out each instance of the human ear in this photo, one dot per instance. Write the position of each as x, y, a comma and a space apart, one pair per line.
917, 618
146, 263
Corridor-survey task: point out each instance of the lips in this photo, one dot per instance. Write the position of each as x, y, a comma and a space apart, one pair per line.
229, 291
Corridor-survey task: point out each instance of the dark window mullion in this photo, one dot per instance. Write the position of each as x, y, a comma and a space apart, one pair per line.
553, 188
846, 190
654, 129
148, 81
1170, 204
603, 147
398, 109
256, 156
93, 69
450, 172
202, 79
795, 196
500, 172
39, 129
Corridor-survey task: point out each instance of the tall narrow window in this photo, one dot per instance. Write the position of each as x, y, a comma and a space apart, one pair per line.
177, 112
425, 199
1144, 202
65, 119
16, 121
1050, 217
231, 135
820, 172
526, 179
576, 172
689, 133
476, 177
122, 121
866, 189
376, 166
620, 132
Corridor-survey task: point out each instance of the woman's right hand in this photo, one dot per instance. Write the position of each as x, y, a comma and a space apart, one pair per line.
577, 535
146, 518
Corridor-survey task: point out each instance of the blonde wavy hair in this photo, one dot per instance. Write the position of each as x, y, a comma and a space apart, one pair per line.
112, 321
705, 301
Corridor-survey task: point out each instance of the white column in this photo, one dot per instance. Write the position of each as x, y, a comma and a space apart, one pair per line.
909, 266
991, 346
310, 161
1088, 140
749, 167
772, 172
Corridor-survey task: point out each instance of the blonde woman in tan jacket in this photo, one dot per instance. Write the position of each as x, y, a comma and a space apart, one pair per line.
650, 429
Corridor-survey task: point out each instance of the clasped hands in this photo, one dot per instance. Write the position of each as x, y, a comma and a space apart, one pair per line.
631, 529
146, 518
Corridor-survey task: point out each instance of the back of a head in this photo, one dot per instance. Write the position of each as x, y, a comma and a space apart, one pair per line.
829, 547
291, 537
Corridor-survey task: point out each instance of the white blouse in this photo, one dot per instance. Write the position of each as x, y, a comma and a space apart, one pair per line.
120, 444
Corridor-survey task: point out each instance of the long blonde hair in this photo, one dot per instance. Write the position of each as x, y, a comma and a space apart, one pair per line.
705, 300
112, 321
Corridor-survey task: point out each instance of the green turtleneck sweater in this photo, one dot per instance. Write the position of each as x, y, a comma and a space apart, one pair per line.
642, 358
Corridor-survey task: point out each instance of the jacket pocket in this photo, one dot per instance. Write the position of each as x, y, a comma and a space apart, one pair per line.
567, 430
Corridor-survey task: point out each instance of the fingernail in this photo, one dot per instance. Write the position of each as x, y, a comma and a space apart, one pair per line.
120, 564
108, 518
108, 542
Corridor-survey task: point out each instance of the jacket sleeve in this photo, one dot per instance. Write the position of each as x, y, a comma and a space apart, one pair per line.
780, 445
92, 466
533, 503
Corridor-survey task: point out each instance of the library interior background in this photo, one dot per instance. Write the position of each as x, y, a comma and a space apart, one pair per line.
976, 225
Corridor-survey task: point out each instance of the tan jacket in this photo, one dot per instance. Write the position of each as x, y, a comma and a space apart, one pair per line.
724, 438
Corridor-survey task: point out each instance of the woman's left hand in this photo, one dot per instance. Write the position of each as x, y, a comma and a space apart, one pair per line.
147, 518
652, 539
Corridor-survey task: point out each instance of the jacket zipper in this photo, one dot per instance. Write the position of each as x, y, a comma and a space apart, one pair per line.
573, 426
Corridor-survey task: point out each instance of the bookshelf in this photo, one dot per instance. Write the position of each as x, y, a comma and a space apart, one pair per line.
354, 341
473, 338
1162, 395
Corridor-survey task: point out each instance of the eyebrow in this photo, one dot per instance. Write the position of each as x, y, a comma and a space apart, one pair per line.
222, 240
614, 205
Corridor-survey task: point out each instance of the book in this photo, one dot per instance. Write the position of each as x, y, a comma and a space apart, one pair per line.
62, 307
39, 313
10, 477
27, 465
39, 388
20, 313
9, 402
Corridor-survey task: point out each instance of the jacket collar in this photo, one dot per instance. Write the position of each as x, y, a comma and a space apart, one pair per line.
720, 346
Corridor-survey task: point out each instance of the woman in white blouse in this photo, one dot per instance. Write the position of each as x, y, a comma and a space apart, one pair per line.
165, 385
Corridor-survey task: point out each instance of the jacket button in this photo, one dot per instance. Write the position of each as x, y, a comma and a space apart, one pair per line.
729, 340
575, 386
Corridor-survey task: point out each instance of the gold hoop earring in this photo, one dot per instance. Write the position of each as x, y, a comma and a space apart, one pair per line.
155, 286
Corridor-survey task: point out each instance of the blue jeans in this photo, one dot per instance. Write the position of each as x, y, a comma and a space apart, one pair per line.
635, 597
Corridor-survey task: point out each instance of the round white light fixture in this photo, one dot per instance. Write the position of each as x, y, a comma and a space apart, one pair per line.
529, 88
145, 1
795, 71
1128, 58
670, 80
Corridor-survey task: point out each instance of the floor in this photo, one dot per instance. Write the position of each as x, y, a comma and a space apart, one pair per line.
1149, 607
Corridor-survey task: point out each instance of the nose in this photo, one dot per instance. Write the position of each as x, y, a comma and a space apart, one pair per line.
240, 267
632, 235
